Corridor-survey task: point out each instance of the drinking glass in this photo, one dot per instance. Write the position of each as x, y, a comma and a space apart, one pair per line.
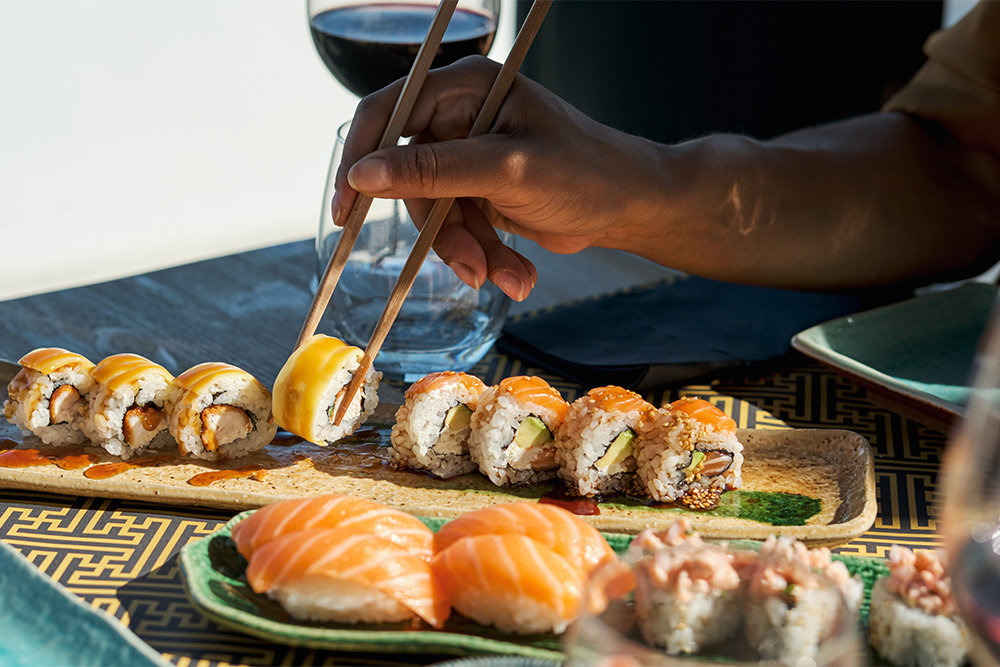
368, 45
971, 517
444, 324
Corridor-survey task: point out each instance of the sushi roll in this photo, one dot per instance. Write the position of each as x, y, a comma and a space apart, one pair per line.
688, 452
433, 425
818, 560
595, 446
220, 412
568, 535
511, 582
345, 576
48, 396
912, 617
310, 385
332, 511
128, 405
687, 592
512, 431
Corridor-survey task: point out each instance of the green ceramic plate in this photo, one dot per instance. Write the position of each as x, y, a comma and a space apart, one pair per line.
213, 575
45, 624
917, 352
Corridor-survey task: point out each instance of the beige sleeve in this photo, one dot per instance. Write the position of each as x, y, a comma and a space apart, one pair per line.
959, 86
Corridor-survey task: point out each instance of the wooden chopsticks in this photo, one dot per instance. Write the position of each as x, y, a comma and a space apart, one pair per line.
436, 217
404, 105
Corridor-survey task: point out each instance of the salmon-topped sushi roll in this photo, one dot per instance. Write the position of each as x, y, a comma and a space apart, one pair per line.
512, 582
688, 451
512, 431
434, 423
128, 405
221, 412
311, 384
568, 535
341, 575
48, 396
595, 446
332, 511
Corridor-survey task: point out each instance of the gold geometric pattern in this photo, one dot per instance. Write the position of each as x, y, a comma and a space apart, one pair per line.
122, 556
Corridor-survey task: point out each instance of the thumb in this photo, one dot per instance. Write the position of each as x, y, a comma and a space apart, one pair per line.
430, 171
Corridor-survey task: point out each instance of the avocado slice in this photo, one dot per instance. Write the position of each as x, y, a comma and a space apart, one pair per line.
696, 458
620, 449
531, 433
458, 417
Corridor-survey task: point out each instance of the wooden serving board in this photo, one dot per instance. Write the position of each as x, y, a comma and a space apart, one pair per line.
834, 466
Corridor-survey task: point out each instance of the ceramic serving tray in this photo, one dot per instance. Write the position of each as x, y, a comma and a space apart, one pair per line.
914, 356
214, 579
45, 624
815, 485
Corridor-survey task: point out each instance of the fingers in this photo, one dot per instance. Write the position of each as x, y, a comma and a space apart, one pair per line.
469, 244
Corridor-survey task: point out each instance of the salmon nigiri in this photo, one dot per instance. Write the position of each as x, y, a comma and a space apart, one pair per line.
340, 575
568, 535
332, 511
511, 582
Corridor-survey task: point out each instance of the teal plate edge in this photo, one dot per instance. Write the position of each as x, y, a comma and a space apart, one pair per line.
86, 635
204, 584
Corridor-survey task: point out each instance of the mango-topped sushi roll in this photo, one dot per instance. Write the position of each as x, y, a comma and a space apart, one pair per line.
48, 397
128, 405
221, 411
434, 423
311, 384
512, 431
688, 451
595, 446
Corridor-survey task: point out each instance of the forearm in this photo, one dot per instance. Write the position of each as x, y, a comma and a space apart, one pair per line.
875, 200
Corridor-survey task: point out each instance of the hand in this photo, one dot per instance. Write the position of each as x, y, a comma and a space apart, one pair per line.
544, 171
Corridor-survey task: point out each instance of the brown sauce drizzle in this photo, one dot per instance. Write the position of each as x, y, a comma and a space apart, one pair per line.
258, 472
7, 443
359, 436
71, 459
106, 470
575, 504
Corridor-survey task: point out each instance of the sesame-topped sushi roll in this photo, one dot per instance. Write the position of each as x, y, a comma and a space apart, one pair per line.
688, 452
512, 431
433, 425
48, 397
595, 446
912, 617
311, 384
221, 411
128, 405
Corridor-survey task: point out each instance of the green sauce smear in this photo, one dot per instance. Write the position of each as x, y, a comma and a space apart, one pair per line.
770, 507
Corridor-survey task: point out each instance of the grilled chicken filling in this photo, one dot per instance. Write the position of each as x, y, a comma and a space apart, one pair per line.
141, 423
222, 424
64, 404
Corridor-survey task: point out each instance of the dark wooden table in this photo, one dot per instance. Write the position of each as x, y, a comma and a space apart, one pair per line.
246, 309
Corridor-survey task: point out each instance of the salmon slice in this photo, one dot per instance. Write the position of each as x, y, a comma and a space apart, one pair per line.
566, 534
331, 511
529, 389
510, 581
704, 412
617, 399
356, 561
444, 379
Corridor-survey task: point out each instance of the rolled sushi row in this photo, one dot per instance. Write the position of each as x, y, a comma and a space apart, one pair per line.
609, 441
129, 405
695, 597
520, 567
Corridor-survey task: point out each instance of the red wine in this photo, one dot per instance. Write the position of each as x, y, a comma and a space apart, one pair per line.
369, 46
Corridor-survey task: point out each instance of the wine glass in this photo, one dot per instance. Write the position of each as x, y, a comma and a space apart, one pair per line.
971, 517
368, 45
